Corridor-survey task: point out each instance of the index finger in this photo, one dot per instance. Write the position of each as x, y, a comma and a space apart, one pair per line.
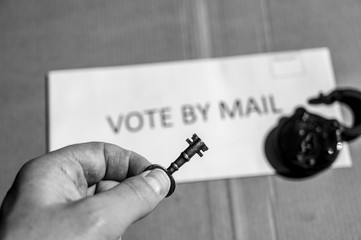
100, 161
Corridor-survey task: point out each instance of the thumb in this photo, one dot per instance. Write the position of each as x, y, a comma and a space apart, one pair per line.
131, 200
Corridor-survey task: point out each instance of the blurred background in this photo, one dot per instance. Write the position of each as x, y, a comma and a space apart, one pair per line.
39, 36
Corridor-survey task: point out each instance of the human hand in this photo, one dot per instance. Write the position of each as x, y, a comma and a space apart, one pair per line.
83, 191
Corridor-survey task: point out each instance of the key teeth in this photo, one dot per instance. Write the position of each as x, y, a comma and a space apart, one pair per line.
195, 137
204, 147
201, 148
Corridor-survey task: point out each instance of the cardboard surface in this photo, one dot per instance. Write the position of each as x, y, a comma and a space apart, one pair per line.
40, 36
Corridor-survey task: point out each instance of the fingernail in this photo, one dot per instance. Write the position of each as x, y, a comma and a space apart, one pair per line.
158, 180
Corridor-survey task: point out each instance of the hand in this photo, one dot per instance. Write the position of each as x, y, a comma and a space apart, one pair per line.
84, 191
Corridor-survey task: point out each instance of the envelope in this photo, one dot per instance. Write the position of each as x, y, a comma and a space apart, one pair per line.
230, 103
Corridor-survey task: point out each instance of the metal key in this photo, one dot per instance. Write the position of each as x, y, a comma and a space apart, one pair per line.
196, 146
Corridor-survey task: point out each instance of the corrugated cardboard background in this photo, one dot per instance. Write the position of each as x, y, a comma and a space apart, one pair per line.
43, 35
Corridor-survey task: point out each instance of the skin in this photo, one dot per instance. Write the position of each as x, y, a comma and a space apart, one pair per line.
83, 191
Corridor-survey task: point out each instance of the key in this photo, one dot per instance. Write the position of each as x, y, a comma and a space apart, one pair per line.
196, 146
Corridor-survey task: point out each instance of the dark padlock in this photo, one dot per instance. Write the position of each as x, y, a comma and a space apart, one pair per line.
305, 143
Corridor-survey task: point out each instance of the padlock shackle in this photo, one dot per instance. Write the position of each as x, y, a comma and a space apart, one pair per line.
352, 99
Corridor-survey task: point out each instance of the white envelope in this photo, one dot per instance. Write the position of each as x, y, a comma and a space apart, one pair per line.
231, 103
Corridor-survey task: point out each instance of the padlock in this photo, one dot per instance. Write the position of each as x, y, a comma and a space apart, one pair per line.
305, 143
